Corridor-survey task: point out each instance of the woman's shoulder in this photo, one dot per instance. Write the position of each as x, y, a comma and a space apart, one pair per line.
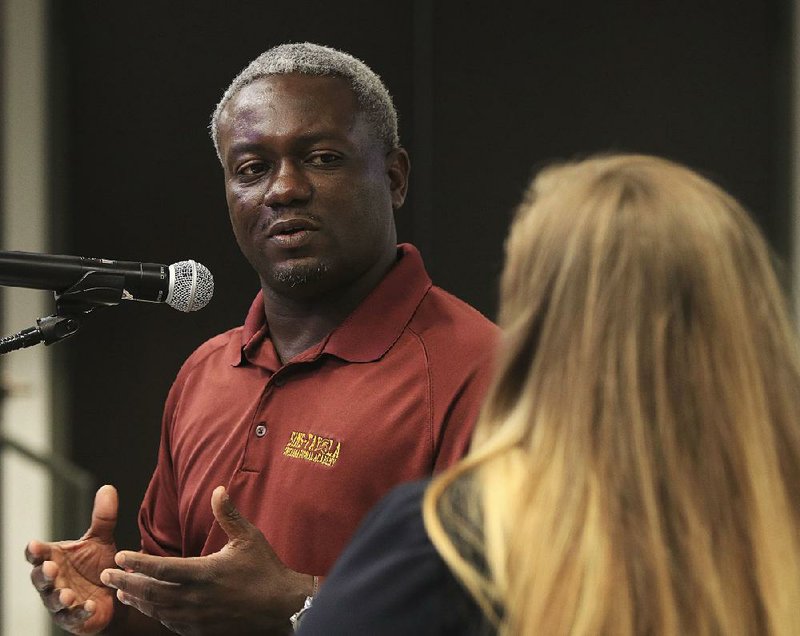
390, 579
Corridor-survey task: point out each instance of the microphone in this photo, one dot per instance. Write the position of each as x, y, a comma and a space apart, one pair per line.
185, 286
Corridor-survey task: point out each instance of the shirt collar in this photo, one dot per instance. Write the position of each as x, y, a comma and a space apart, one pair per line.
383, 314
253, 332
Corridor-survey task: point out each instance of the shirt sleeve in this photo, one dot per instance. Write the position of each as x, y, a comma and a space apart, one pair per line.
462, 414
159, 525
390, 580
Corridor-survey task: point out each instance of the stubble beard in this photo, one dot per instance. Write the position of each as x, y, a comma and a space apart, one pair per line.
300, 274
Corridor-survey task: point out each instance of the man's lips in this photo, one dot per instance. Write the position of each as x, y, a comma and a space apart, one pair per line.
289, 226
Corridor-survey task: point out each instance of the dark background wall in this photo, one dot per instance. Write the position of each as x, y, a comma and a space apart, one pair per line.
486, 93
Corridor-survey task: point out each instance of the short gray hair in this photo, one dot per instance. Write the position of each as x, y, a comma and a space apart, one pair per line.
314, 59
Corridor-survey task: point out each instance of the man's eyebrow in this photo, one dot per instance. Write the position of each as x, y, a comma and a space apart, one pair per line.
242, 147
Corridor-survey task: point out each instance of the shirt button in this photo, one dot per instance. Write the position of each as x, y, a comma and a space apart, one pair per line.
279, 381
261, 430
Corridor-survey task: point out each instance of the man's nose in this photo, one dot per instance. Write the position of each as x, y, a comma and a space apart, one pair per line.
289, 184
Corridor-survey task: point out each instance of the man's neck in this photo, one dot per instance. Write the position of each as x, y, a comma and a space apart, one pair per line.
295, 324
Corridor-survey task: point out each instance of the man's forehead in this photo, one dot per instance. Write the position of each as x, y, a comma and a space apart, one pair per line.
297, 107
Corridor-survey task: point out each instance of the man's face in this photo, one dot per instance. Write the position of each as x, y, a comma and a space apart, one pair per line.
311, 193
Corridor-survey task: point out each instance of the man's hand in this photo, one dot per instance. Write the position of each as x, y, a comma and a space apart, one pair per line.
67, 573
242, 589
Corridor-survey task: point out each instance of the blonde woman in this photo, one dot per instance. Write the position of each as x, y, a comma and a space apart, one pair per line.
636, 467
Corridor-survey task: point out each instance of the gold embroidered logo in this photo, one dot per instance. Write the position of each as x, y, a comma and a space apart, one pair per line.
313, 448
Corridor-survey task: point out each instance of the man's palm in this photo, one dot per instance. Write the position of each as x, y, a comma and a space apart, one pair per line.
79, 566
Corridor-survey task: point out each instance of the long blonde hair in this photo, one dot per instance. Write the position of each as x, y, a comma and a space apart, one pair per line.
636, 467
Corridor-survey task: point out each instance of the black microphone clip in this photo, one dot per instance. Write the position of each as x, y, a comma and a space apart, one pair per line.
94, 289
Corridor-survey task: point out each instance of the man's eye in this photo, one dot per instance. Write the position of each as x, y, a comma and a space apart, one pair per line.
323, 159
252, 169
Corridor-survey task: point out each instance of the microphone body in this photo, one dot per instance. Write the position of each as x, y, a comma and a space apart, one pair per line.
143, 281
186, 286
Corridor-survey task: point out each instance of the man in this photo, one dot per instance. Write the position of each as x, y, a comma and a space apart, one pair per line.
351, 373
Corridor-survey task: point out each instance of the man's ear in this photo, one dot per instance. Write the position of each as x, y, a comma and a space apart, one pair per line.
398, 167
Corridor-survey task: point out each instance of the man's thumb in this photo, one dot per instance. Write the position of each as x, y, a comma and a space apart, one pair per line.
104, 514
228, 517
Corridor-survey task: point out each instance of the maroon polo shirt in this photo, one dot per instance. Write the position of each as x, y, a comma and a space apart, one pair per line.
307, 447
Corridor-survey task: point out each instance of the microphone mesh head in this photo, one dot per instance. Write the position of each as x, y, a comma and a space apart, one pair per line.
191, 286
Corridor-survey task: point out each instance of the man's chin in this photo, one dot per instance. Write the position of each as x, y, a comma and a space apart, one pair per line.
298, 275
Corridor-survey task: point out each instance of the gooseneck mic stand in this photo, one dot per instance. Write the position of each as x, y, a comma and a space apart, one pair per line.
95, 289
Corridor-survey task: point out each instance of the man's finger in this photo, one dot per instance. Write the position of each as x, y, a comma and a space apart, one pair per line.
104, 514
235, 525
146, 608
168, 569
73, 618
36, 552
43, 580
178, 617
141, 588
56, 600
